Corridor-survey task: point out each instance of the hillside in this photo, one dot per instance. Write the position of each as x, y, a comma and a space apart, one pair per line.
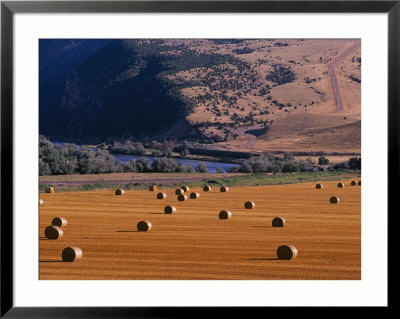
205, 89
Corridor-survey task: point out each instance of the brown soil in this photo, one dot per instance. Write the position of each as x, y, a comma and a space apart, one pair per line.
193, 243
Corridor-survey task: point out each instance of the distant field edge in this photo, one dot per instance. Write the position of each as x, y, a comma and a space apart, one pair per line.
229, 180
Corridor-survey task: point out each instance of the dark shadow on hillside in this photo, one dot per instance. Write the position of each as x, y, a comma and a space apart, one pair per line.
257, 131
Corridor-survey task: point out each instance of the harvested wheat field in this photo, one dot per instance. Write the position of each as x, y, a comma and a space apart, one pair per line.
193, 243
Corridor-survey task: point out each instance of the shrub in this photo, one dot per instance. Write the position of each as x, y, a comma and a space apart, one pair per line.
201, 168
355, 163
290, 167
322, 160
288, 156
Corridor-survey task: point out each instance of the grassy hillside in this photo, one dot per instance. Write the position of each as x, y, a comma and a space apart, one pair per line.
198, 89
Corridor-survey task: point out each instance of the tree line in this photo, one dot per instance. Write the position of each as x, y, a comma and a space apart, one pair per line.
71, 159
288, 164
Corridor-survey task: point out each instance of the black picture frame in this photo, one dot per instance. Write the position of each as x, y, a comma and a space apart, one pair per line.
9, 8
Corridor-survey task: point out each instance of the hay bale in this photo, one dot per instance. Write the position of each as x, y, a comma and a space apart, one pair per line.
225, 214
119, 192
249, 205
53, 232
207, 188
152, 188
353, 183
49, 190
59, 222
143, 225
185, 188
340, 185
182, 197
71, 254
161, 195
334, 200
359, 183
179, 191
224, 189
278, 222
194, 195
41, 202
319, 186
169, 209
286, 252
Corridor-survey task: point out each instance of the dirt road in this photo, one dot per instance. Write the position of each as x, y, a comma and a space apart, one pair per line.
332, 66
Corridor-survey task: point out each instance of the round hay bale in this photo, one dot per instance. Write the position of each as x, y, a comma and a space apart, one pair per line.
179, 191
340, 185
185, 188
49, 190
319, 186
225, 214
169, 209
161, 195
353, 183
286, 252
152, 188
249, 205
53, 232
119, 192
278, 222
71, 254
224, 189
41, 202
59, 222
334, 200
182, 197
143, 226
359, 183
207, 188
194, 195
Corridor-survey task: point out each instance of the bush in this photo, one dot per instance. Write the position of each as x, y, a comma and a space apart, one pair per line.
322, 160
201, 168
164, 164
288, 156
355, 163
290, 167
281, 75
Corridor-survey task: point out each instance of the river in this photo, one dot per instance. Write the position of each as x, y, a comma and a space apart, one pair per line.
211, 166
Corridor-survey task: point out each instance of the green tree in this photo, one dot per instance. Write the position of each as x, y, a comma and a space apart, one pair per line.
201, 168
322, 160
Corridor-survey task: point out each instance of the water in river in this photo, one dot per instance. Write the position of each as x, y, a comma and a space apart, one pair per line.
211, 166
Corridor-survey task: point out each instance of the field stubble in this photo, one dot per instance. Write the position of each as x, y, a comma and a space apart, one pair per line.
193, 243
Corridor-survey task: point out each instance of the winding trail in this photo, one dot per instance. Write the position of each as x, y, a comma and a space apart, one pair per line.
332, 66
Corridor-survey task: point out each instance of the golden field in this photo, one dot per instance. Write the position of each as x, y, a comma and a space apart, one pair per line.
194, 244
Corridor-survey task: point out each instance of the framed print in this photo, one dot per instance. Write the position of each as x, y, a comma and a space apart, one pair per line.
189, 156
